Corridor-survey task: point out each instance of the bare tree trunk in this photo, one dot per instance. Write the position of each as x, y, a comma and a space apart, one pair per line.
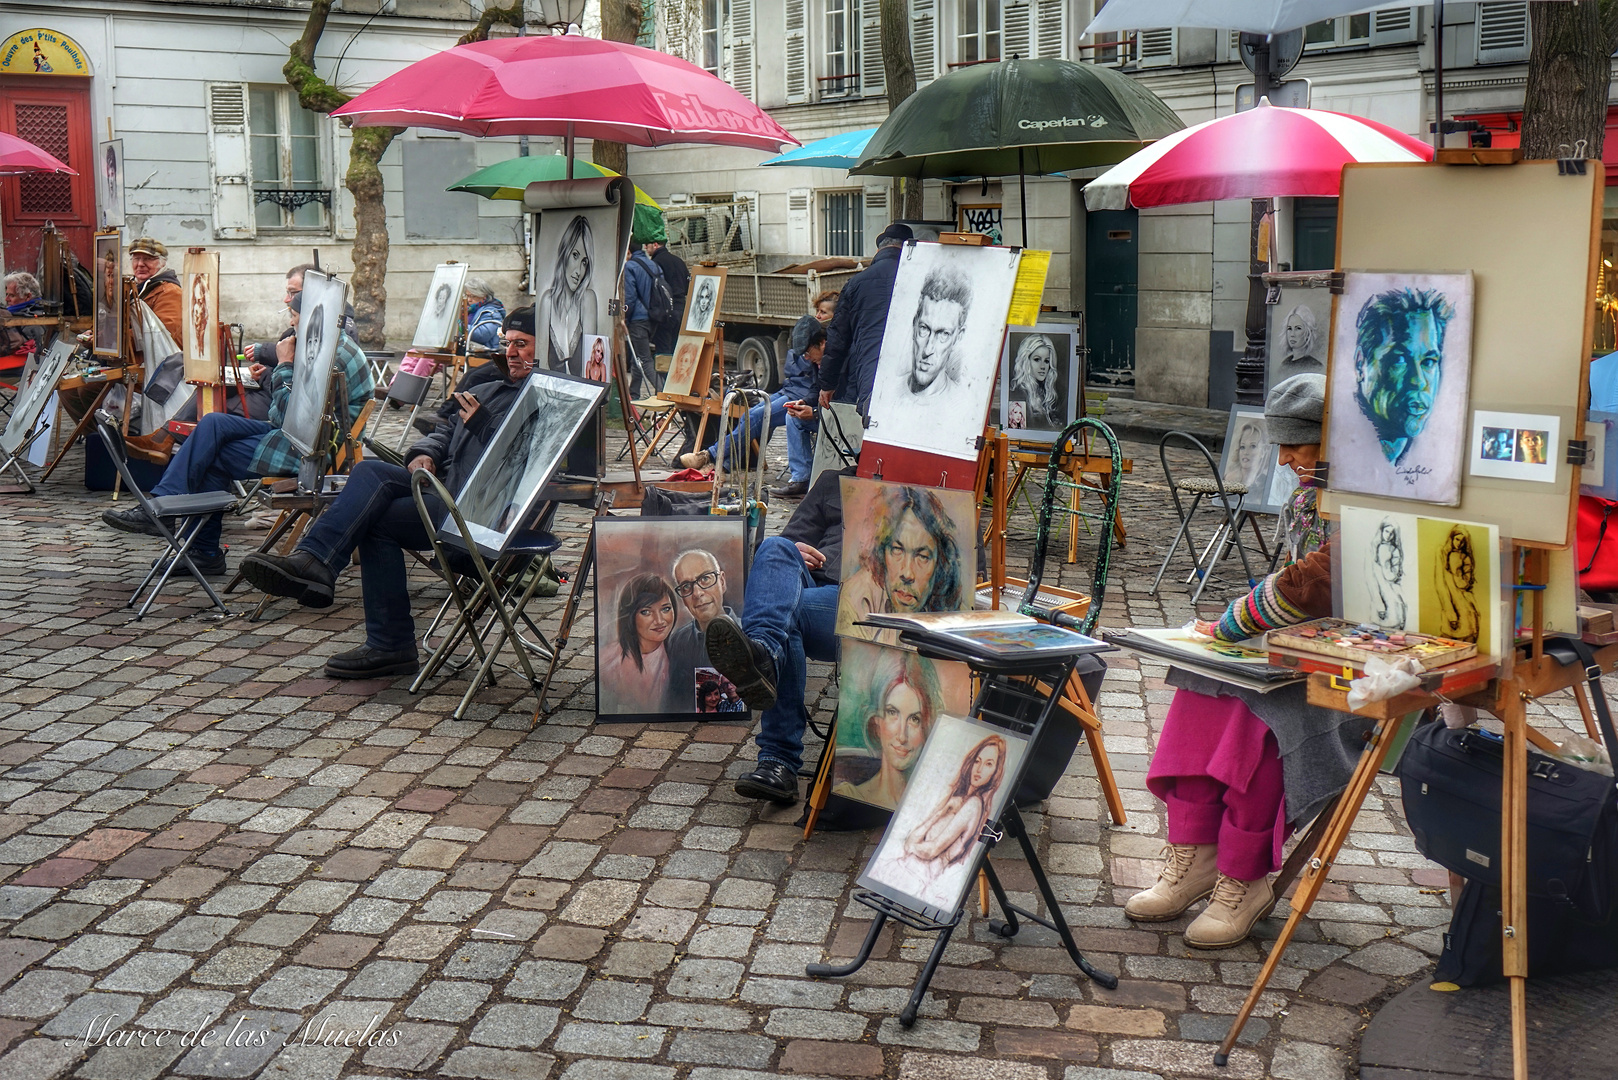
364, 176
620, 21
1569, 69
900, 70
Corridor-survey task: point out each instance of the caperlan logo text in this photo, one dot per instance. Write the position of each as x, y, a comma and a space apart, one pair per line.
1092, 121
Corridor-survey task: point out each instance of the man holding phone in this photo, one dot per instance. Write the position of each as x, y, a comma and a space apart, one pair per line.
376, 515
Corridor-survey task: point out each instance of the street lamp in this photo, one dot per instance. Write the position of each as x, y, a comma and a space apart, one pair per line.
558, 15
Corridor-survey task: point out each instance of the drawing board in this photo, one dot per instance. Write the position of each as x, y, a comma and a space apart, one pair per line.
319, 326
1533, 271
441, 310
201, 307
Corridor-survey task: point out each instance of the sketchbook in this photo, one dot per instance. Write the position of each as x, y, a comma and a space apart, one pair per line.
1241, 663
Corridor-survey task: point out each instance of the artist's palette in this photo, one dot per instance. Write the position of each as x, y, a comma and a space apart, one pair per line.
1359, 642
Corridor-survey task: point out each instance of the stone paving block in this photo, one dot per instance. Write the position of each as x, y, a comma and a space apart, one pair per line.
715, 979
418, 1047
479, 1061
58, 921
731, 1049
545, 980
197, 933
243, 1043
39, 1059
185, 1010
915, 1066
930, 1034
92, 1015
511, 924
94, 952
815, 1024
660, 924
277, 930
420, 942
336, 950
239, 899
600, 903
297, 988
611, 1040
1185, 1058
317, 897
453, 905
147, 972
309, 1062
686, 1014
447, 999
613, 1001
518, 1027
237, 965
638, 959
595, 1069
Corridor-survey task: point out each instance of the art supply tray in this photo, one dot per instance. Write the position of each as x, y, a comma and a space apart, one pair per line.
1356, 643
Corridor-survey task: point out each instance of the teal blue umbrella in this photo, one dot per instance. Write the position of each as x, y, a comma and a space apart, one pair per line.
833, 152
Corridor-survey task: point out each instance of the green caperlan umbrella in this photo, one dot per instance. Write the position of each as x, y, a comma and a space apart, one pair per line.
1017, 116
507, 179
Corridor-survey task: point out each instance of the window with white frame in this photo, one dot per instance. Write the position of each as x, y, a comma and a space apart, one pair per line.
842, 47
842, 219
977, 31
712, 27
1386, 26
290, 188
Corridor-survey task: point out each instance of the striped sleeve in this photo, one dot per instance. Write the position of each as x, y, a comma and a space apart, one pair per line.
1262, 609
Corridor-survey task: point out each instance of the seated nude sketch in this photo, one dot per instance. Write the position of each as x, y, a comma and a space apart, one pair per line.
943, 839
1455, 578
1389, 609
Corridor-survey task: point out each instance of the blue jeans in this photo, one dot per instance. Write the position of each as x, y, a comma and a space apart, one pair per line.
377, 516
800, 446
220, 450
794, 618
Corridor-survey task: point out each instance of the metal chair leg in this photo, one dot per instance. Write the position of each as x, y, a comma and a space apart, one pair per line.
1184, 533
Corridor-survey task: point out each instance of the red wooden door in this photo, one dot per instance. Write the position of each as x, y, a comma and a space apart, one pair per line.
53, 114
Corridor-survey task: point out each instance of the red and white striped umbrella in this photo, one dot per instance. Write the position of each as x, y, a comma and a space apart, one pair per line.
1262, 153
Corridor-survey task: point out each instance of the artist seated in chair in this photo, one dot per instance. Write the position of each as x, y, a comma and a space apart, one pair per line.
376, 515
1238, 769
521, 323
225, 448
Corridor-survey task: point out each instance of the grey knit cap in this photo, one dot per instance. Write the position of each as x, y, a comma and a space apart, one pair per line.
1293, 409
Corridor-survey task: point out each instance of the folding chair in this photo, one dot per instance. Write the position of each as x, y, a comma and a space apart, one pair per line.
188, 512
499, 593
1225, 499
405, 390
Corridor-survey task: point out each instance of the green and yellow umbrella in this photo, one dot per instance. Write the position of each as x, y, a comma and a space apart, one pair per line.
507, 179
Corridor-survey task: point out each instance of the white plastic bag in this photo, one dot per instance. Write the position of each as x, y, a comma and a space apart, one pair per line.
1383, 680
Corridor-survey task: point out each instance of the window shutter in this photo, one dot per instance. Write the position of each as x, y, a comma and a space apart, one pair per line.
800, 238
1393, 26
342, 200
1502, 33
1051, 28
230, 162
739, 56
873, 72
924, 40
1016, 30
1154, 48
876, 215
797, 51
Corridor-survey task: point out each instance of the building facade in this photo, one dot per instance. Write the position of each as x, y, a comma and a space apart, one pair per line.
218, 152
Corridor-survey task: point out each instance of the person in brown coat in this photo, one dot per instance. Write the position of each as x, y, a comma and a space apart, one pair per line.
159, 288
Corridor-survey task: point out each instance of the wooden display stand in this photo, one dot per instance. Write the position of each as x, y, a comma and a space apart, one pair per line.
701, 399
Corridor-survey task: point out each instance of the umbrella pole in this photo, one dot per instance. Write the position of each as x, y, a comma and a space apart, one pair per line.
567, 150
1022, 196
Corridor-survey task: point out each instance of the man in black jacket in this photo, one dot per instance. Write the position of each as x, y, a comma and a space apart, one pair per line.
678, 275
376, 514
854, 338
789, 612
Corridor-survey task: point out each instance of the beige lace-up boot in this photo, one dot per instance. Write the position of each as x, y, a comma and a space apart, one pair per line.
1231, 913
1188, 875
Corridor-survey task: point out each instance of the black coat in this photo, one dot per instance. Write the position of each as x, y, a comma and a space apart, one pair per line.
677, 274
854, 338
456, 446
818, 522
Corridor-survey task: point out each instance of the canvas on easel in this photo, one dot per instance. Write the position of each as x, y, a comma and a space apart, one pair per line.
319, 326
201, 325
108, 285
110, 182
1040, 375
702, 300
441, 310
691, 367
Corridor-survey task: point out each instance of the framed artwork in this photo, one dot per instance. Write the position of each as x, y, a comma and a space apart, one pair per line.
1249, 456
941, 347
1458, 573
1039, 380
597, 350
441, 311
201, 329
1380, 568
319, 323
26, 410
905, 549
684, 368
503, 488
985, 218
1514, 446
1299, 332
1600, 475
110, 182
888, 702
108, 288
659, 583
928, 856
1399, 385
702, 300
578, 258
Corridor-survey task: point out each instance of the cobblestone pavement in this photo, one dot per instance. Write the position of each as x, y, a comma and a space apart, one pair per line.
216, 862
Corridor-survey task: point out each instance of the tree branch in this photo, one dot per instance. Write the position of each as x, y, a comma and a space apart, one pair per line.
507, 16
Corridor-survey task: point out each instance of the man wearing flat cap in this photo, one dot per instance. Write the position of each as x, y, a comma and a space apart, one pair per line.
376, 516
225, 447
156, 285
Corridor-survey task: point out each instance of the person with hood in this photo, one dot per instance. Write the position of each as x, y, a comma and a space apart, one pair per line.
678, 275
376, 515
639, 272
854, 337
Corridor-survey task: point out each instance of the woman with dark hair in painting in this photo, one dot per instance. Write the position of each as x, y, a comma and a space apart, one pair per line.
1455, 576
901, 706
634, 674
913, 565
568, 308
1034, 378
944, 837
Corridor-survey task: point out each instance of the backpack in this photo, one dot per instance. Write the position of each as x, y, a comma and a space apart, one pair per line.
659, 297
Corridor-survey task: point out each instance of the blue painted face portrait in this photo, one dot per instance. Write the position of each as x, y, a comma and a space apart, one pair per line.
1399, 363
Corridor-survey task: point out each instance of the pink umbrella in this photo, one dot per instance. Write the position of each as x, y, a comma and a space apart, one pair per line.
1265, 152
569, 86
19, 156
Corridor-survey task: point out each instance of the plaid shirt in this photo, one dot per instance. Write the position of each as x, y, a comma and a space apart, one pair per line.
276, 456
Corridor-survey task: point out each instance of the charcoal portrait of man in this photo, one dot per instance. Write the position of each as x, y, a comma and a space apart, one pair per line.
1399, 364
935, 333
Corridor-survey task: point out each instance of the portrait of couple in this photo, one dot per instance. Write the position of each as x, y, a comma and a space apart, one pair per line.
660, 583
967, 772
889, 701
906, 549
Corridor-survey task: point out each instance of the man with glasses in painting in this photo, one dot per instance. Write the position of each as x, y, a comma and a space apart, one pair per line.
699, 581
